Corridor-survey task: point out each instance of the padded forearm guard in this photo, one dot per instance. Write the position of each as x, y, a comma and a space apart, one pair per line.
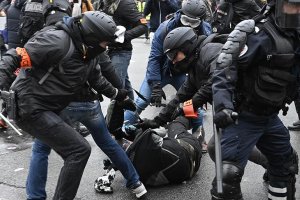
235, 43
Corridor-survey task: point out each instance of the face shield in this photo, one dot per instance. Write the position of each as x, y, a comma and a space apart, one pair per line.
189, 21
171, 54
287, 14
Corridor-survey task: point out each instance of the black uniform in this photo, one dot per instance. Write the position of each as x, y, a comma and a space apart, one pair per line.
253, 77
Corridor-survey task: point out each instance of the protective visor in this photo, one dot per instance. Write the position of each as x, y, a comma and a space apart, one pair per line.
171, 54
287, 14
189, 21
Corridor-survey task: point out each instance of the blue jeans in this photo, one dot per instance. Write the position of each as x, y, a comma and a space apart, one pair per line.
89, 114
269, 135
121, 60
145, 90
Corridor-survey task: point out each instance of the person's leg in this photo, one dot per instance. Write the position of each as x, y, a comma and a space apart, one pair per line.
72, 147
237, 142
283, 160
121, 60
90, 114
145, 90
38, 171
95, 122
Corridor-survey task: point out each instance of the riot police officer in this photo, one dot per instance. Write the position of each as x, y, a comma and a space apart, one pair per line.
253, 77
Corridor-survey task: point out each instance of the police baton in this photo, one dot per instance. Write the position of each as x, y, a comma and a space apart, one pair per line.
218, 155
218, 151
10, 124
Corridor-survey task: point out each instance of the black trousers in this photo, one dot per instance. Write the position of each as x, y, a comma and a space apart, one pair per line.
71, 146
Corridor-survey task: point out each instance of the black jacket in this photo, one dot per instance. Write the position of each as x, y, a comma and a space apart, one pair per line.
13, 23
127, 15
198, 85
103, 68
46, 49
250, 82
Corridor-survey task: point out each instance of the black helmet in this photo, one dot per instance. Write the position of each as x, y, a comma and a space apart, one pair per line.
287, 14
96, 27
194, 8
180, 39
61, 6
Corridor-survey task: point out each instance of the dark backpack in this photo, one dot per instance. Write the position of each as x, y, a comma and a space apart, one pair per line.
32, 19
222, 18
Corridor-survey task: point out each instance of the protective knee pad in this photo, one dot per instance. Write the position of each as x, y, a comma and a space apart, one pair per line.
284, 186
232, 176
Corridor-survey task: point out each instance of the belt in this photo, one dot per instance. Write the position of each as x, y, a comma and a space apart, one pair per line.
259, 110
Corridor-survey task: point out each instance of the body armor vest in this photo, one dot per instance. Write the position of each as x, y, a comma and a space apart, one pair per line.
272, 83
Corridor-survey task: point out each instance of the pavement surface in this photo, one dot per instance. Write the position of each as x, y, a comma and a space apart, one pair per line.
15, 154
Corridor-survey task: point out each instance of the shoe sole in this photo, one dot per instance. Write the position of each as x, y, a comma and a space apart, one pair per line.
140, 191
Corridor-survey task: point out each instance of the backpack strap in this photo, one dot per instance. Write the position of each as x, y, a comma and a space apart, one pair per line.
59, 65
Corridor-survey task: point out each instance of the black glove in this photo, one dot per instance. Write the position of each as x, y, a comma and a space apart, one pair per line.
157, 94
150, 123
177, 112
128, 104
224, 118
121, 95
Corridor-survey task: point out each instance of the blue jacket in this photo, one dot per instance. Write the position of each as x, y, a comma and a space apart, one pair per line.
158, 63
159, 10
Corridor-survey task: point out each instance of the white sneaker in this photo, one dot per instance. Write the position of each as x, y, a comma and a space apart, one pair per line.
138, 189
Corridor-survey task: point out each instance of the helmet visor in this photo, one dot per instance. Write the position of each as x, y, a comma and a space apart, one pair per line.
171, 54
189, 21
287, 14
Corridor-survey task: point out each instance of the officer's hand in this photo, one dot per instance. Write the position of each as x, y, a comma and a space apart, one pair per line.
128, 104
156, 95
149, 123
121, 95
224, 118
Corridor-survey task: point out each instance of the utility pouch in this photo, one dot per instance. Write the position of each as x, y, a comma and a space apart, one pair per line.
9, 97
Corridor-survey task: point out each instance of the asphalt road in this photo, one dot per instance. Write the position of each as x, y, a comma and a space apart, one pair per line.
15, 155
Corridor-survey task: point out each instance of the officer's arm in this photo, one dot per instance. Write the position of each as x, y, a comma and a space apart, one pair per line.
99, 83
225, 74
132, 15
156, 57
109, 71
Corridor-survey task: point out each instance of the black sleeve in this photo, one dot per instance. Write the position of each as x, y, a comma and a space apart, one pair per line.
132, 15
100, 84
109, 71
147, 9
209, 54
8, 65
47, 48
225, 77
187, 90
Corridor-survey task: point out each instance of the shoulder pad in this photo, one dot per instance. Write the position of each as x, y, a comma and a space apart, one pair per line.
231, 47
237, 36
224, 60
246, 26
